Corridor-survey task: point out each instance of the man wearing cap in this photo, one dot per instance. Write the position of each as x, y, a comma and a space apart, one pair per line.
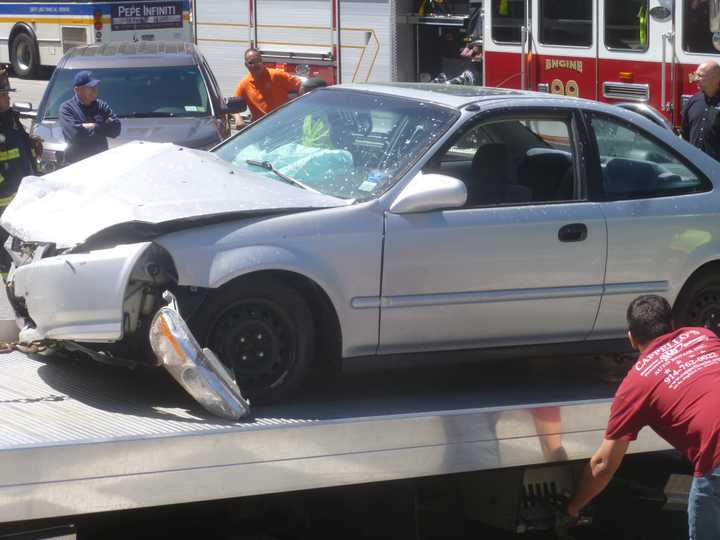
264, 89
86, 121
18, 155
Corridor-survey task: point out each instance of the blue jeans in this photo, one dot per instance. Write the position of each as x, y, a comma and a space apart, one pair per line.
704, 507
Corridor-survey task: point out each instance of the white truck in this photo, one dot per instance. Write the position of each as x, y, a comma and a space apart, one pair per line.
341, 41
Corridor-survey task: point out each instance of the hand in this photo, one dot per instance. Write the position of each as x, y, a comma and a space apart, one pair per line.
563, 525
89, 125
566, 517
239, 121
571, 510
37, 145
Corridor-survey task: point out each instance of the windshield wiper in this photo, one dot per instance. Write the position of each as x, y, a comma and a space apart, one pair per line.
148, 115
284, 177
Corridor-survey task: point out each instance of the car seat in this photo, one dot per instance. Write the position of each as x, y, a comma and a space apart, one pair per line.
628, 176
548, 174
493, 178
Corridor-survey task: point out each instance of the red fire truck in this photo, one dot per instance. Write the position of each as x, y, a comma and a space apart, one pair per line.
608, 50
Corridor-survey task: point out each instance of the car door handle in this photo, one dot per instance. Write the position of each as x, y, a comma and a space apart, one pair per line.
574, 232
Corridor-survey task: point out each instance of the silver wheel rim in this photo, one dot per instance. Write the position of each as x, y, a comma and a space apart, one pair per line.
23, 54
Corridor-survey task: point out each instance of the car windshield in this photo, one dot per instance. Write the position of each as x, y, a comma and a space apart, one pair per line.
139, 92
342, 143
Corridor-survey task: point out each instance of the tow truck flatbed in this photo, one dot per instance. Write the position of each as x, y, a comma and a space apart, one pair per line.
79, 437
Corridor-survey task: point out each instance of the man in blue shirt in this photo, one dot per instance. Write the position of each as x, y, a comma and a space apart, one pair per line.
86, 121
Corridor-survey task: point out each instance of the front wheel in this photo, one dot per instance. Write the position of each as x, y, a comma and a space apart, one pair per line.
24, 55
699, 302
263, 331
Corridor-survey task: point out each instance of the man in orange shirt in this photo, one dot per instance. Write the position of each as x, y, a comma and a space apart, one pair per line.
264, 89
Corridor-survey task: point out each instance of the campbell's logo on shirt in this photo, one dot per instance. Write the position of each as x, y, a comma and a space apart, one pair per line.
679, 359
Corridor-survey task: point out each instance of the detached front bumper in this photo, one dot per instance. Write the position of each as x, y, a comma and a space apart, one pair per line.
77, 297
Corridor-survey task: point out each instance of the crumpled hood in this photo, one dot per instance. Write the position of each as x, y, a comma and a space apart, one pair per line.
149, 183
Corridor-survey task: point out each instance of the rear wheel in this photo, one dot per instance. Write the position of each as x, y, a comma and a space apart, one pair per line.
24, 55
699, 302
263, 331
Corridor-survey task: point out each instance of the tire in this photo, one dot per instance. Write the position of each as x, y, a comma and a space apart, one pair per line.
24, 55
699, 302
264, 332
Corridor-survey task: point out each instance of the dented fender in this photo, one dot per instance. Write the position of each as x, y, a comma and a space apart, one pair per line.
223, 266
77, 296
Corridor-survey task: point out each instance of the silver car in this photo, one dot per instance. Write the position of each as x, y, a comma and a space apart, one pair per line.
365, 220
161, 91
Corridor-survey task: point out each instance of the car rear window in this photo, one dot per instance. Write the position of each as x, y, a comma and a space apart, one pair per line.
139, 92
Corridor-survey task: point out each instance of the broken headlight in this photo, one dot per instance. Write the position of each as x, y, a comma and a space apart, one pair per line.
196, 369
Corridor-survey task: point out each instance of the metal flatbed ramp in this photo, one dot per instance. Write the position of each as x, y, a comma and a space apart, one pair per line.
77, 437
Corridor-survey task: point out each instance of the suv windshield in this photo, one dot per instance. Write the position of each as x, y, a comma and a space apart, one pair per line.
138, 92
343, 143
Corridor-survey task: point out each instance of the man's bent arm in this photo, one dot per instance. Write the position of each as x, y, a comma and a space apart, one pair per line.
72, 127
110, 125
292, 82
598, 473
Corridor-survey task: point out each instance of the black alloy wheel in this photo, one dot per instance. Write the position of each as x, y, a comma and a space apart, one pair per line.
699, 305
263, 332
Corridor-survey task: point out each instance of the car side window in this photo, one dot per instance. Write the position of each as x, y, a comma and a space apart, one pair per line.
634, 166
519, 160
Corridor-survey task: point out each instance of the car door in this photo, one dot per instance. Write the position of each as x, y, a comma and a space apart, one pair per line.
522, 262
660, 226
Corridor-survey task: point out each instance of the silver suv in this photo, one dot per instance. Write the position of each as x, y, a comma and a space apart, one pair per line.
161, 91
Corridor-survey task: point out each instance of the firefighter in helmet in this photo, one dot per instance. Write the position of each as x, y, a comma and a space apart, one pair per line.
18, 156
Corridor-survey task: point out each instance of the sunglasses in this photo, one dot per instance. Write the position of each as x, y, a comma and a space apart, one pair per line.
253, 63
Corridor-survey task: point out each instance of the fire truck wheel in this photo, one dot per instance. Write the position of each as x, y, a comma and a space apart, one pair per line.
24, 55
263, 330
699, 302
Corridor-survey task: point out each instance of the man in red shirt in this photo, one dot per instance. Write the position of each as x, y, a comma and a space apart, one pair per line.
674, 388
264, 89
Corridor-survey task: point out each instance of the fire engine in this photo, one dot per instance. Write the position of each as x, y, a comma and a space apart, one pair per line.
643, 51
608, 50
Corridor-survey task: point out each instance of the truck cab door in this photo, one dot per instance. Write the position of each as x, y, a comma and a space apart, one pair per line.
635, 55
564, 47
506, 42
697, 40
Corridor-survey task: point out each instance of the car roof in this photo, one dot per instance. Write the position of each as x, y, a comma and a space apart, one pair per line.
131, 54
454, 95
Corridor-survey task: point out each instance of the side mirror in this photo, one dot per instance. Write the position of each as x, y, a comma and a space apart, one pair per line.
25, 109
234, 105
428, 192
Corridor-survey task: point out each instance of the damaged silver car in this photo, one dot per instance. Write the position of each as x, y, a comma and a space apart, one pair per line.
368, 220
